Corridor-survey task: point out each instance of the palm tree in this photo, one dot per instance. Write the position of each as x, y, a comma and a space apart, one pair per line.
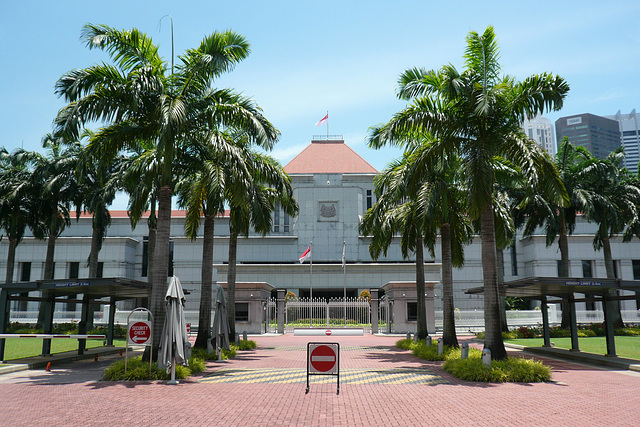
396, 212
477, 113
252, 199
615, 197
140, 99
534, 211
17, 200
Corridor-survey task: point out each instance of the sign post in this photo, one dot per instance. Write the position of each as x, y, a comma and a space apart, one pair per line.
139, 332
323, 359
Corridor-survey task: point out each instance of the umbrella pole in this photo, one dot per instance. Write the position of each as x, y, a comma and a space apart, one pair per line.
173, 381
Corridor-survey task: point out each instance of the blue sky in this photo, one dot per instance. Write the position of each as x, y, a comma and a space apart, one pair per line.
343, 57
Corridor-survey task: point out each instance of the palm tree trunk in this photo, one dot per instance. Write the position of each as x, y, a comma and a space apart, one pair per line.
563, 243
231, 283
493, 333
11, 259
96, 243
204, 315
422, 329
503, 306
161, 266
48, 275
449, 323
611, 274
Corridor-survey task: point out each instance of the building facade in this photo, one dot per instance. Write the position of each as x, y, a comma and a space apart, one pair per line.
540, 130
629, 125
599, 135
334, 187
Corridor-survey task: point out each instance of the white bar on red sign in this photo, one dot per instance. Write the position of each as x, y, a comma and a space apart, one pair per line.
328, 332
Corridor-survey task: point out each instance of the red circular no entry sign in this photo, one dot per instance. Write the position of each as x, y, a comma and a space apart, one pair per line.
139, 332
328, 332
323, 358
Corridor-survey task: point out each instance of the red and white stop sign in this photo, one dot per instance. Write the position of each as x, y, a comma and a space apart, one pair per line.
323, 358
139, 332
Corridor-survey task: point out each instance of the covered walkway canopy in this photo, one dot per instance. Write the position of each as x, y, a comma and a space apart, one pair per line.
563, 290
93, 291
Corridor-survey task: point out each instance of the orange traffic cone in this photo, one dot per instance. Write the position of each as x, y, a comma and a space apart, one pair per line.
95, 358
48, 366
120, 352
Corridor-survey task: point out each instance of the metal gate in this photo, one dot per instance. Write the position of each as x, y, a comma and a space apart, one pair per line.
385, 314
335, 313
270, 316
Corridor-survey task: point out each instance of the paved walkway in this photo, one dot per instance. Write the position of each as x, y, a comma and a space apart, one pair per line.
380, 385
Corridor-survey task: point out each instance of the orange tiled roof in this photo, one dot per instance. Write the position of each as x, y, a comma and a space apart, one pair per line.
328, 157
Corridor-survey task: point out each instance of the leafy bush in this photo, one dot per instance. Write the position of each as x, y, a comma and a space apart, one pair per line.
138, 370
513, 369
405, 344
582, 333
365, 294
557, 332
632, 331
430, 352
246, 345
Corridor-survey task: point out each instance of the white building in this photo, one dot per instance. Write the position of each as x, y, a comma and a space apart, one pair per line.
334, 187
630, 137
541, 131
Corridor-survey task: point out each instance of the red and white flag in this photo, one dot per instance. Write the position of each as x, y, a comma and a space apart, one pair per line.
323, 120
305, 255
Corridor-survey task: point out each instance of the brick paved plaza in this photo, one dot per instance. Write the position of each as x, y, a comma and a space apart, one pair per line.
380, 385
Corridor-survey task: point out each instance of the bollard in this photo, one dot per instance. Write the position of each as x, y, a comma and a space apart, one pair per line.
237, 337
464, 351
187, 350
429, 341
408, 335
244, 335
415, 338
486, 357
440, 346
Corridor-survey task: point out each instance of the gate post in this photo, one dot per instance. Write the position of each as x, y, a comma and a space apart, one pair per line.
374, 311
280, 311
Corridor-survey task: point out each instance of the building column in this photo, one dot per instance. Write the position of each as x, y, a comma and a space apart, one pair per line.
545, 321
280, 310
49, 305
112, 321
608, 308
84, 321
374, 311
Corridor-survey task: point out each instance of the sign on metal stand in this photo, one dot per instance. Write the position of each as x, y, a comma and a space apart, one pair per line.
139, 332
323, 358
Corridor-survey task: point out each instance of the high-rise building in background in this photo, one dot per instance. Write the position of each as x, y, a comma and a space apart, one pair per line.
629, 125
540, 130
597, 134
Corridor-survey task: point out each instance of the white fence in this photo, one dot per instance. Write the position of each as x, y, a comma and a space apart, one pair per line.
319, 313
336, 313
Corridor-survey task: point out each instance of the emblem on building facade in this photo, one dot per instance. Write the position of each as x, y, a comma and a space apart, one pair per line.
328, 211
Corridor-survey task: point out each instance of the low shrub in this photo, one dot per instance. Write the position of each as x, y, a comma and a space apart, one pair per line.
246, 345
405, 344
430, 352
583, 333
138, 370
514, 369
632, 331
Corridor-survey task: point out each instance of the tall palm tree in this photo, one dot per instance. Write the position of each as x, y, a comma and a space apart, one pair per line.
265, 185
140, 99
613, 206
17, 200
478, 114
397, 212
534, 211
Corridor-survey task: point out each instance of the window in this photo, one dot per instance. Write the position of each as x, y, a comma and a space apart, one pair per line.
636, 269
286, 223
74, 270
369, 199
100, 270
276, 218
25, 272
145, 256
514, 261
587, 271
412, 311
559, 267
242, 312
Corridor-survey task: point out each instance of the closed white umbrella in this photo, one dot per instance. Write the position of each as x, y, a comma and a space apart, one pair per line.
174, 340
220, 322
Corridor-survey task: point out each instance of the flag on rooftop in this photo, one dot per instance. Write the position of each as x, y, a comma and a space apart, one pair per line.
305, 255
323, 120
344, 253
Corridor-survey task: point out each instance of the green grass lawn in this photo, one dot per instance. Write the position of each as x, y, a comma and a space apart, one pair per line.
17, 348
625, 346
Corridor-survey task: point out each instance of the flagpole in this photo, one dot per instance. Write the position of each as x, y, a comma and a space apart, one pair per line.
327, 125
344, 279
311, 283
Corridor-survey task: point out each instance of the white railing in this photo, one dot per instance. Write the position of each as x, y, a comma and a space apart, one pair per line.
335, 313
